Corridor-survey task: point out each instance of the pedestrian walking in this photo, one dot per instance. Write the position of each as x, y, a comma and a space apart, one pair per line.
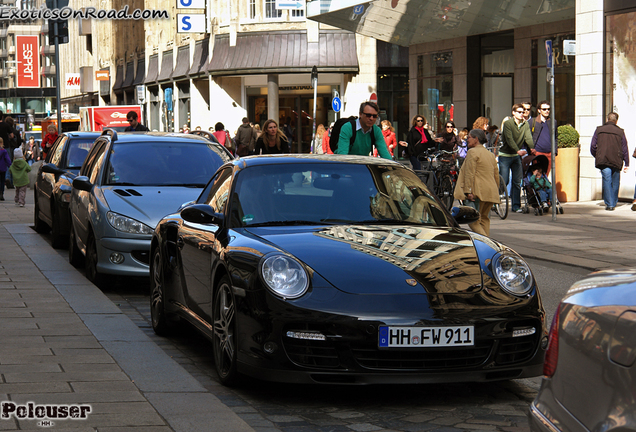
364, 127
388, 131
48, 140
447, 139
31, 151
478, 180
223, 137
246, 138
541, 128
317, 144
5, 163
20, 172
272, 140
609, 148
134, 126
517, 141
418, 140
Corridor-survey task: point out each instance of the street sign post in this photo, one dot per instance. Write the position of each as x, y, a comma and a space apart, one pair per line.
550, 65
314, 84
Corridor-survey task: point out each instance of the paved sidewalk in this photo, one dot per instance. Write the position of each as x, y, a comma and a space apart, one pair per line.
63, 342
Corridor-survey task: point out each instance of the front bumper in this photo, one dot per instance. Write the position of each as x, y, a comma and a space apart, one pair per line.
135, 254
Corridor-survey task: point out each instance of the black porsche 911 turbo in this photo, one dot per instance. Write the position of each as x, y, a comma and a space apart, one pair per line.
343, 269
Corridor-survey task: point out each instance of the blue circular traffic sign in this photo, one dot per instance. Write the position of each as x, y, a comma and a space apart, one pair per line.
336, 104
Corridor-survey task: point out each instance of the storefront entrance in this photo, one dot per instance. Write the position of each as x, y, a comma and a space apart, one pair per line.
295, 111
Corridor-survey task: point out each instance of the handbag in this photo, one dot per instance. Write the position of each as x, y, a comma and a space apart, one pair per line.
229, 142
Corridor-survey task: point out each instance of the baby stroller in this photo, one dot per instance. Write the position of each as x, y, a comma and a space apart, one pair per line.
531, 195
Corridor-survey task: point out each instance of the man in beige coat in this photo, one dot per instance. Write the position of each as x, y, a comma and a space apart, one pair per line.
479, 180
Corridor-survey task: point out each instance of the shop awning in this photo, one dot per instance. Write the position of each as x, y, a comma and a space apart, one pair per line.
284, 52
153, 70
410, 22
166, 66
119, 78
141, 70
130, 75
200, 58
183, 63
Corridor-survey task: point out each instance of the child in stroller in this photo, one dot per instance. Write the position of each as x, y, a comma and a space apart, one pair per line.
536, 186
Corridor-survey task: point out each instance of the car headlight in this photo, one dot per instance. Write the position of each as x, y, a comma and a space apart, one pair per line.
285, 276
512, 273
127, 225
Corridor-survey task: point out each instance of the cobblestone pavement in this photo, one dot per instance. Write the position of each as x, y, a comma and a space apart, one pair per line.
299, 408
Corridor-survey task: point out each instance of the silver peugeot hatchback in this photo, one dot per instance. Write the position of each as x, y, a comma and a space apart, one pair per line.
127, 183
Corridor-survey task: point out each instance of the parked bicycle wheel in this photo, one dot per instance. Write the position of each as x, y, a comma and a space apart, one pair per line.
502, 207
445, 192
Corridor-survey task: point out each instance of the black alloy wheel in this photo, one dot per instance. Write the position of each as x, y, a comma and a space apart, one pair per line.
158, 317
38, 224
224, 341
75, 256
92, 258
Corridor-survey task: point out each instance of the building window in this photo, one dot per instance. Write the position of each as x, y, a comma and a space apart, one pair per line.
297, 13
252, 9
270, 10
564, 78
435, 88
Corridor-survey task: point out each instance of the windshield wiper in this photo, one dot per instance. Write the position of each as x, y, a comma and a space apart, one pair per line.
189, 185
122, 184
391, 222
285, 223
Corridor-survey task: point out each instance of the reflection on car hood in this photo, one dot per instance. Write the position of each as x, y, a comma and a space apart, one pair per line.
377, 259
148, 204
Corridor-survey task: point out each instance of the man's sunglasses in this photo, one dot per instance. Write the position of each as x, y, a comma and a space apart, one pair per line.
370, 115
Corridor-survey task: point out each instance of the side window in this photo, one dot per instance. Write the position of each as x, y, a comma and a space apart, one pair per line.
95, 167
58, 148
92, 157
218, 193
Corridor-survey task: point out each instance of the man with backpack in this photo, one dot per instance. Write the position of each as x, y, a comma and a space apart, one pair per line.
358, 136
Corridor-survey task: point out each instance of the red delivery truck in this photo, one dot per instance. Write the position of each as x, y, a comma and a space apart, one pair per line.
99, 117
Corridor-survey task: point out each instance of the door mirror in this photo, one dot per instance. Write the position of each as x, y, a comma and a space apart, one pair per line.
201, 214
82, 183
465, 214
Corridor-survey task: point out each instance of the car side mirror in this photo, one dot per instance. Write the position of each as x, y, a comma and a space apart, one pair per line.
82, 183
51, 168
201, 214
465, 214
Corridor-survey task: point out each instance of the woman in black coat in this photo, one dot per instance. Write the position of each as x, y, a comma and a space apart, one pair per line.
417, 141
448, 139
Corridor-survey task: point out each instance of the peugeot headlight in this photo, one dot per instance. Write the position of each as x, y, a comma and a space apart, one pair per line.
285, 276
512, 273
127, 225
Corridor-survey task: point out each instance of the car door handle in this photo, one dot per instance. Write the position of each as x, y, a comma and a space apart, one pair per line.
180, 243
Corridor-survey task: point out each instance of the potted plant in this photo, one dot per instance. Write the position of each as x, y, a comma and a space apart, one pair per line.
566, 164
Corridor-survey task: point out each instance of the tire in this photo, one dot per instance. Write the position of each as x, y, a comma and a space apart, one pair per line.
38, 224
75, 256
158, 316
92, 274
502, 207
224, 340
58, 241
446, 192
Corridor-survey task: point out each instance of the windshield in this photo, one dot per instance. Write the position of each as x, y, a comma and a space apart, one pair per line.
332, 194
163, 163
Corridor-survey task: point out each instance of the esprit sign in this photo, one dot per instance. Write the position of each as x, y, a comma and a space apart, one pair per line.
28, 61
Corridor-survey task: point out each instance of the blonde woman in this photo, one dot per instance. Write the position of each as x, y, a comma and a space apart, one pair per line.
320, 132
272, 140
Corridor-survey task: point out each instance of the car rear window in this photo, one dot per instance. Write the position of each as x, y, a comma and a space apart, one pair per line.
163, 163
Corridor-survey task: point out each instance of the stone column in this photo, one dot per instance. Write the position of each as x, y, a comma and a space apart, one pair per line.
589, 91
272, 97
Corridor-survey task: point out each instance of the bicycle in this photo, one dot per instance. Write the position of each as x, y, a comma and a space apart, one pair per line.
439, 172
503, 207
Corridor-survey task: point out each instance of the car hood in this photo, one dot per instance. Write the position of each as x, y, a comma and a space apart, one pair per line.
148, 204
385, 259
